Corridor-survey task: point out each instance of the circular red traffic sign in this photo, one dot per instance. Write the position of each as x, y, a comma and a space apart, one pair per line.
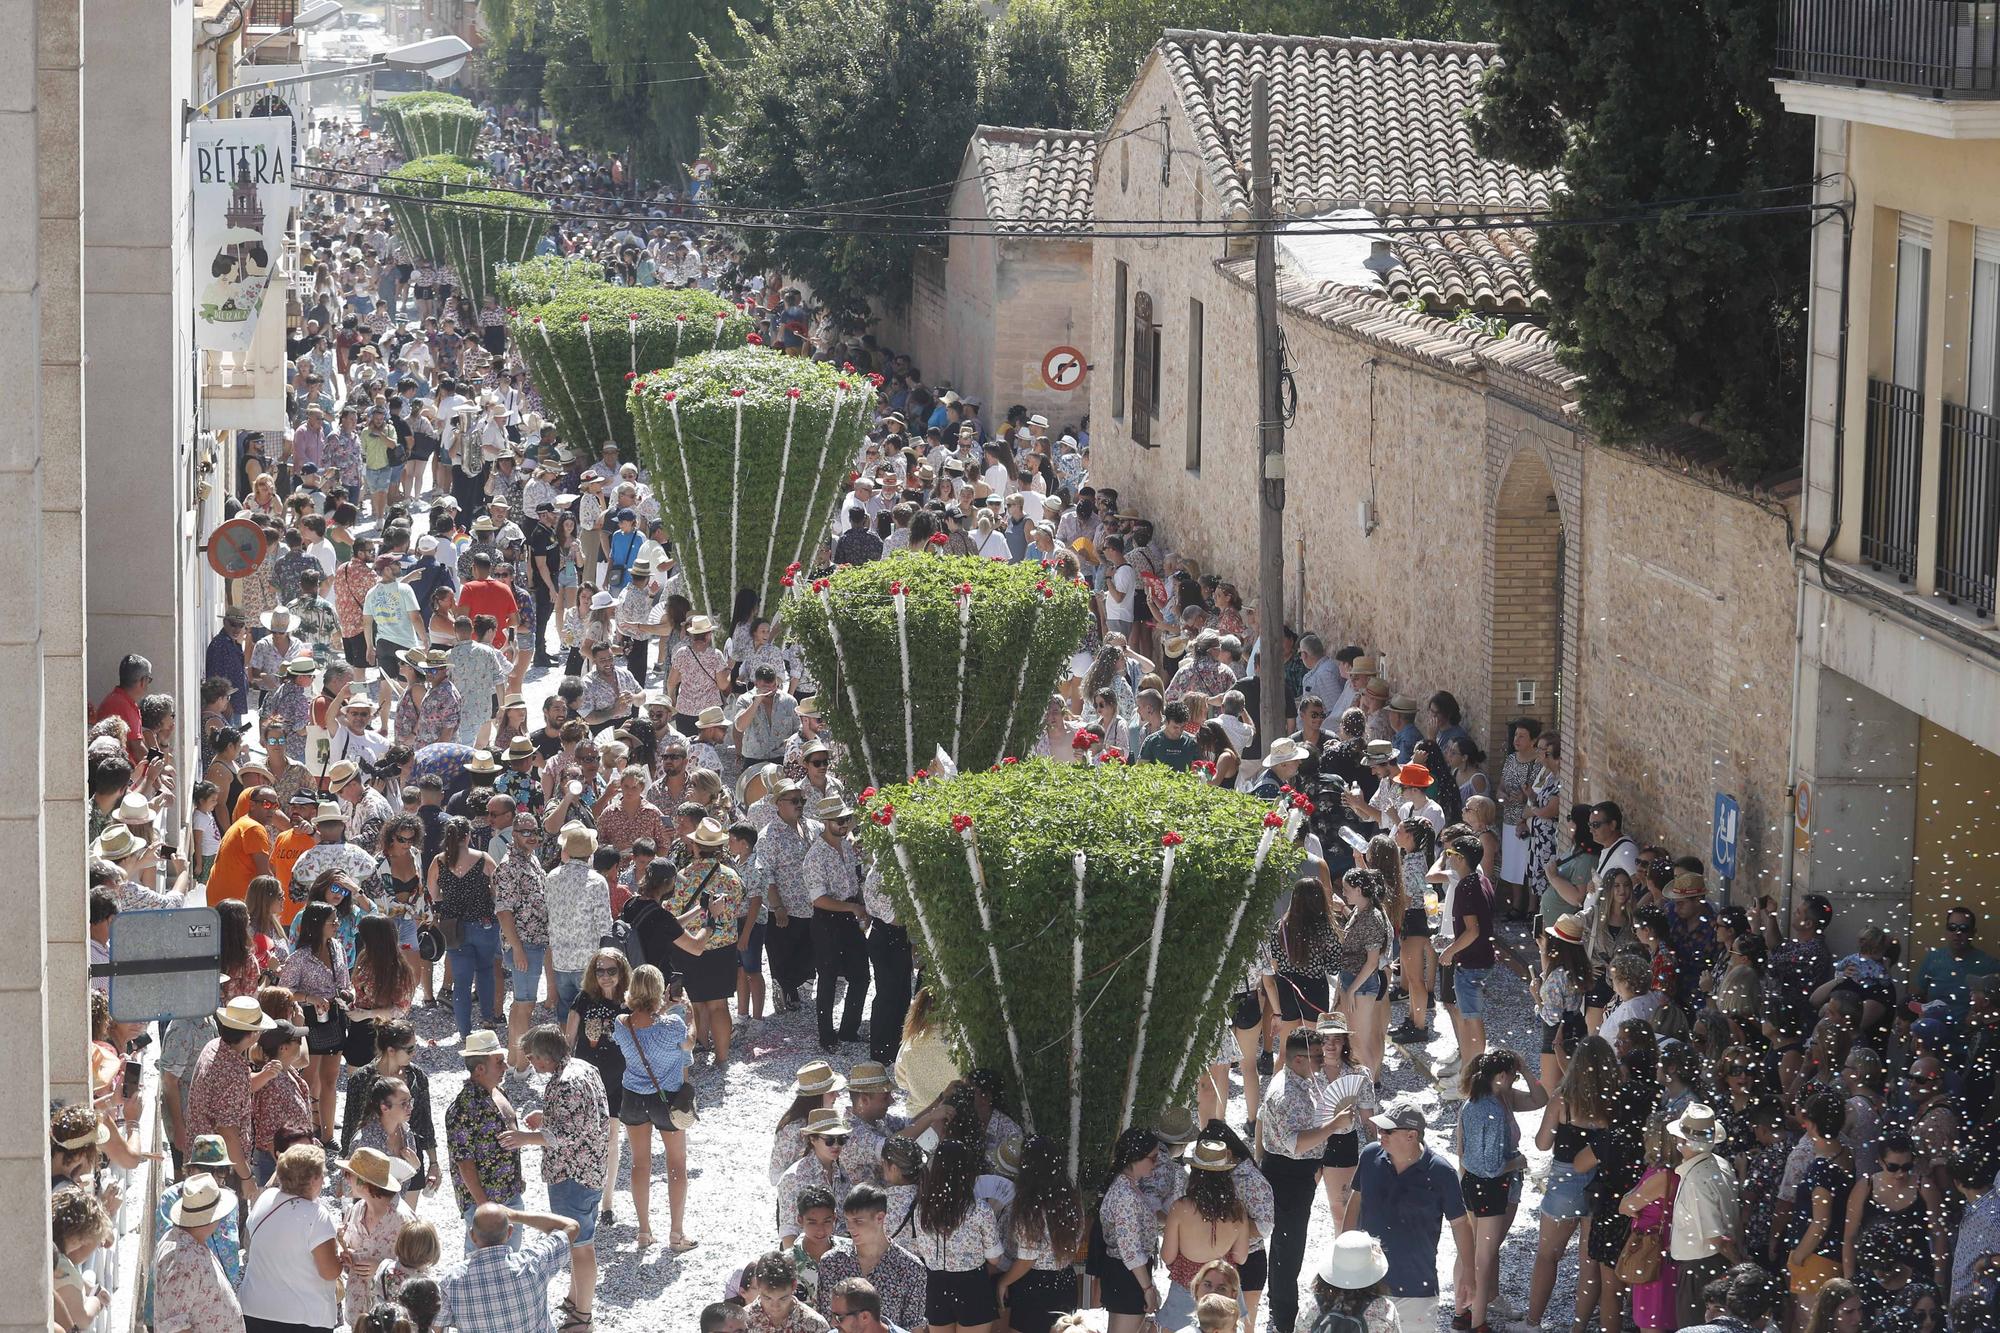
1063, 368
236, 548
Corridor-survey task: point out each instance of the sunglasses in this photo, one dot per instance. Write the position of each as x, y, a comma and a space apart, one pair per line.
1599, 823
1958, 927
815, 763
1898, 1167
605, 971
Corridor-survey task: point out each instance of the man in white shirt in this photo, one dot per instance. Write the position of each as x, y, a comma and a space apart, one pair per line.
1121, 582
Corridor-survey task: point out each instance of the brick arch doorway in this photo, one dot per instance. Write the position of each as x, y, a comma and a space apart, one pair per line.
1530, 557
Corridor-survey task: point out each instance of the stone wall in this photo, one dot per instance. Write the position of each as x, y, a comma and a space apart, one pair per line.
1042, 301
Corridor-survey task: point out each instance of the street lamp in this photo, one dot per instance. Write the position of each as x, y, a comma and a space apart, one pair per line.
439, 57
317, 14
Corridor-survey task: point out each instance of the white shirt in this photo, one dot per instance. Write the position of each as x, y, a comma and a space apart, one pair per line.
322, 551
280, 1282
1121, 606
996, 479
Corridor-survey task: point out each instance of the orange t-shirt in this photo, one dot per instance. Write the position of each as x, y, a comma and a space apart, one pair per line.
292, 844
234, 864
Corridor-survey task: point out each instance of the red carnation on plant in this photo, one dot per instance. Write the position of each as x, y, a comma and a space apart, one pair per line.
896, 589
631, 375
668, 396
584, 318
963, 589
680, 319
1084, 739
867, 794
1272, 819
791, 393
1303, 805
755, 340
794, 567
843, 384
736, 393
1010, 759
960, 823
921, 775
1170, 839
1111, 754
847, 366
819, 585
885, 816
939, 539
786, 581
512, 311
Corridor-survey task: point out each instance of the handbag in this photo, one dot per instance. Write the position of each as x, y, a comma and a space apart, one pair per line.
1639, 1262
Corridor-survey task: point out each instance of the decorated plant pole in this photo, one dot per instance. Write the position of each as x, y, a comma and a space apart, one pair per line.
544, 278
1081, 925
411, 190
587, 345
934, 653
431, 122
749, 450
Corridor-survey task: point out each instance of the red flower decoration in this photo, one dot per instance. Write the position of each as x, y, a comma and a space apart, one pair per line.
722, 315
791, 393
885, 816
1044, 589
867, 795
896, 589
1170, 839
1303, 805
843, 384
819, 585
1201, 766
875, 379
538, 321
632, 315
921, 775
668, 396
794, 567
754, 340
786, 581
939, 539
847, 366
1284, 791
997, 559
680, 319
631, 374
1048, 564
960, 823
963, 589
1111, 754
736, 393
512, 311
1010, 759
853, 477
584, 318
1272, 819
1083, 583
740, 305
1084, 739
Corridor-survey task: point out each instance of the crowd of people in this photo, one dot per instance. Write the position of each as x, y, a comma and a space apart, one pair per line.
608, 887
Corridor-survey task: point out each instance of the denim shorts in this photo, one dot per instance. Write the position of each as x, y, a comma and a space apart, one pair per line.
1471, 984
382, 478
579, 1203
1375, 988
527, 980
750, 949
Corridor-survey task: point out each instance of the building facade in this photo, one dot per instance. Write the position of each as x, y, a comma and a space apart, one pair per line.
1898, 751
989, 310
1446, 507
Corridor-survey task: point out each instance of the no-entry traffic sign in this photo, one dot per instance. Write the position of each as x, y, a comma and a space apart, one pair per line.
1063, 368
236, 548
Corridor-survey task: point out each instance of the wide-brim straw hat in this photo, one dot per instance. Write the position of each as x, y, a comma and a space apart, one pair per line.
709, 833
378, 1169
201, 1202
1354, 1262
482, 1043
481, 762
816, 1078
244, 1014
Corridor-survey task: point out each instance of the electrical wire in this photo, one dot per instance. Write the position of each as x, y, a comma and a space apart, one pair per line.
1410, 226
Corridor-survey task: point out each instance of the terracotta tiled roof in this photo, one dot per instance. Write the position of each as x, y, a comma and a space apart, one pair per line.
1035, 179
1355, 122
1480, 270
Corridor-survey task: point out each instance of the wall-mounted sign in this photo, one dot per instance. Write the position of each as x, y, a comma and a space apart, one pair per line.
1063, 368
241, 174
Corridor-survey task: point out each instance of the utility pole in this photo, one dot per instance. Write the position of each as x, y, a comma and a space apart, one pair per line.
1270, 430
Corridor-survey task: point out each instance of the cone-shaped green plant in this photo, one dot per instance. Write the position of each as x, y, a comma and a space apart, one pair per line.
584, 347
428, 178
430, 122
1097, 1016
544, 278
748, 451
966, 668
486, 228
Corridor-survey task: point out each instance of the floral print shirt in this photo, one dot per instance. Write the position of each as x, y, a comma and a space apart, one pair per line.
472, 1128
282, 1106
431, 722
316, 625
351, 583
899, 1278
573, 1116
725, 893
476, 670
218, 1096
620, 824
1131, 1226
521, 887
579, 911
290, 704
781, 853
191, 1293
802, 1318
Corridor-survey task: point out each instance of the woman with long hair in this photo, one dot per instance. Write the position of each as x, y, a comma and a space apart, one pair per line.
1350, 1090
1838, 1308
1364, 965
1580, 1107
1107, 672
1559, 996
239, 962
599, 1003
1207, 1223
924, 1064
1649, 1205
264, 902
399, 888
317, 976
1045, 1234
373, 1218
384, 985
1218, 752
1125, 1234
957, 1238
1302, 947
655, 1039
815, 1089
1491, 1164
1416, 839
460, 884
385, 1126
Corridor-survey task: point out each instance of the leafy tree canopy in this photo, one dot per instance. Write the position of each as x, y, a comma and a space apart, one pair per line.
1684, 318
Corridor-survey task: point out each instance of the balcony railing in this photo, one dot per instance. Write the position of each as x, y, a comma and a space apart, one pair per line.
1935, 48
272, 13
1968, 507
1894, 468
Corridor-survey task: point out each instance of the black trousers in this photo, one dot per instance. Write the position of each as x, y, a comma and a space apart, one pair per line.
1294, 1185
635, 659
789, 948
545, 606
840, 953
890, 960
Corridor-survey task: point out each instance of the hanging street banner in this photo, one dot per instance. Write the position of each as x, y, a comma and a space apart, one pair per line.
241, 175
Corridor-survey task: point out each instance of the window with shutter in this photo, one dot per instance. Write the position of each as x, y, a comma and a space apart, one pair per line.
1145, 370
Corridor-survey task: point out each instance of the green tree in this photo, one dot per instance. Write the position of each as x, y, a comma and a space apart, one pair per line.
1045, 68
1683, 318
843, 101
1132, 27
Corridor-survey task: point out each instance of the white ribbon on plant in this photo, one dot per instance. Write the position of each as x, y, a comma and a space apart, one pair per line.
812, 501
1079, 864
1146, 997
778, 507
569, 390
721, 323
1228, 945
1020, 679
903, 653
847, 679
632, 328
735, 491
993, 960
590, 349
687, 479
964, 635
934, 959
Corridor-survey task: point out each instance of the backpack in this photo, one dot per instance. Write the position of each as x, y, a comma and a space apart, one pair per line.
624, 937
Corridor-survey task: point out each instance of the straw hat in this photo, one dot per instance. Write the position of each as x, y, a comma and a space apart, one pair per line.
97, 1135
711, 716
200, 1202
244, 1014
709, 833
1699, 1125
1379, 688
816, 1078
518, 749
482, 1043
699, 625
329, 813
1283, 751
481, 762
116, 843
1687, 885
341, 774
868, 1074
1175, 1125
134, 811
1212, 1155
1568, 927
301, 666
828, 1123
809, 707
1354, 1262
378, 1169
831, 808
1007, 1156
579, 841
